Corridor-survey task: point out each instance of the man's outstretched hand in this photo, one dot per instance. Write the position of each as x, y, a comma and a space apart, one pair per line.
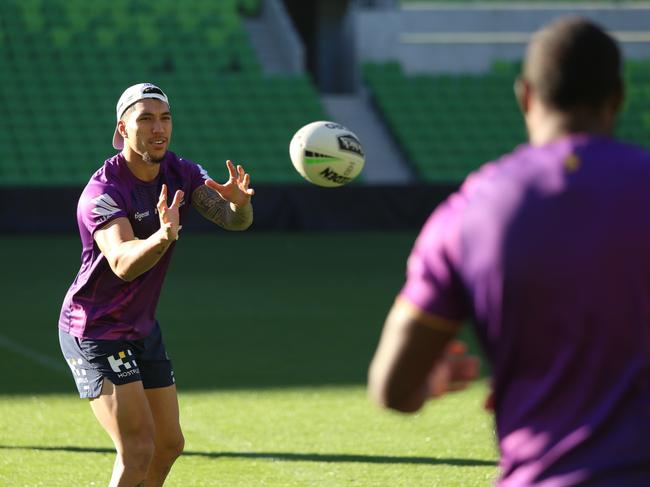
169, 215
235, 190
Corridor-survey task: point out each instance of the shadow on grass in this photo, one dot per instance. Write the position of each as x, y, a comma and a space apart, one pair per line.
286, 456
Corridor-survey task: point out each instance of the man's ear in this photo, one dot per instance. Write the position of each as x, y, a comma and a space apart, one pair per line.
121, 128
522, 94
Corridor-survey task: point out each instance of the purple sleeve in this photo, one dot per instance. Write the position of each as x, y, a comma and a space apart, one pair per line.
432, 283
198, 176
98, 205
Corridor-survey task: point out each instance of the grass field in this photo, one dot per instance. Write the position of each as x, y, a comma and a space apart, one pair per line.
271, 336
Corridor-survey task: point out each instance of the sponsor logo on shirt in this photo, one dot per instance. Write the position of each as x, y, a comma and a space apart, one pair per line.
140, 215
105, 206
123, 364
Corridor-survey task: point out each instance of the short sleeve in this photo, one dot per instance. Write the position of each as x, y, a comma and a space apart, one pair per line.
99, 205
198, 176
432, 281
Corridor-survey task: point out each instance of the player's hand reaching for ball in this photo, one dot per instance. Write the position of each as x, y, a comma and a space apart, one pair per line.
235, 190
169, 215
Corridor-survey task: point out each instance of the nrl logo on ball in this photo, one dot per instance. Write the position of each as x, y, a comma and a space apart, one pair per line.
350, 144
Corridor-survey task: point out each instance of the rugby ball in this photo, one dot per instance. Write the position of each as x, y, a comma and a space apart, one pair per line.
327, 154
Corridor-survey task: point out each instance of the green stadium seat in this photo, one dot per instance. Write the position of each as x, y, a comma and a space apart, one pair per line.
448, 125
222, 103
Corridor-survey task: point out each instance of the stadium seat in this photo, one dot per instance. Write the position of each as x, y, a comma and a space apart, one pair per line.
448, 125
63, 66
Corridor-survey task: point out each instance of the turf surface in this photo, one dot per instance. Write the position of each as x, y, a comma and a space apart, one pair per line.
271, 335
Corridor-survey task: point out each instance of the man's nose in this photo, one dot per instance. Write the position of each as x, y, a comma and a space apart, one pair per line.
157, 126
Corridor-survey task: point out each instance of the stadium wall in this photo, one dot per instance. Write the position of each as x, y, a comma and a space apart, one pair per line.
277, 208
284, 43
455, 37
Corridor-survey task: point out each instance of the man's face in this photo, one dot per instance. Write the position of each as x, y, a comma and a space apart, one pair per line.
148, 127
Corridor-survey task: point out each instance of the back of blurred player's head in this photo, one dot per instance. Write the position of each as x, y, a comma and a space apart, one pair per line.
574, 64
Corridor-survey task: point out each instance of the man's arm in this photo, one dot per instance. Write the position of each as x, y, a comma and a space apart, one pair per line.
130, 257
229, 204
417, 359
213, 207
127, 256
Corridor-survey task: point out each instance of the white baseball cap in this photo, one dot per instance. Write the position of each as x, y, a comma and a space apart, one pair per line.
131, 95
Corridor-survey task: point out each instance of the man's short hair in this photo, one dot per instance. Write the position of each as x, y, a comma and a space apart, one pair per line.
573, 63
127, 112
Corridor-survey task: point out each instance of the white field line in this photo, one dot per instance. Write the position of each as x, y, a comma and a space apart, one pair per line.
31, 354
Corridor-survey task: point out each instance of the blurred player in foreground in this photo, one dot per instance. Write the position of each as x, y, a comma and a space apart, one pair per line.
108, 331
547, 250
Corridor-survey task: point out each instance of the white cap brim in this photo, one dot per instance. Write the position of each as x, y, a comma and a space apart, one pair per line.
118, 141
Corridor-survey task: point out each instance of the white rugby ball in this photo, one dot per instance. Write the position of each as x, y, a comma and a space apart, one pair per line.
327, 154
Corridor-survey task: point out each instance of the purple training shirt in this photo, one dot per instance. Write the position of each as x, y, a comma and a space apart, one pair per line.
99, 304
548, 251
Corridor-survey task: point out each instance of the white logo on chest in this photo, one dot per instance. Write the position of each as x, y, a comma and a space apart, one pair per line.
140, 215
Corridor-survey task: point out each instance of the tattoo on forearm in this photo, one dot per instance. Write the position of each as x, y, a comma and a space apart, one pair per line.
213, 207
209, 204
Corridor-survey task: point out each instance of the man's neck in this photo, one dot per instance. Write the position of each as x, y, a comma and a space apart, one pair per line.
141, 169
546, 125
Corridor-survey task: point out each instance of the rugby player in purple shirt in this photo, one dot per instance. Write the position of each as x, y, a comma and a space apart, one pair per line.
547, 252
107, 328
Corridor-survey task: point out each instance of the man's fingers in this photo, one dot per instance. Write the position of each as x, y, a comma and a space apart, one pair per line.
231, 169
238, 182
211, 183
453, 372
162, 200
246, 180
178, 197
464, 368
